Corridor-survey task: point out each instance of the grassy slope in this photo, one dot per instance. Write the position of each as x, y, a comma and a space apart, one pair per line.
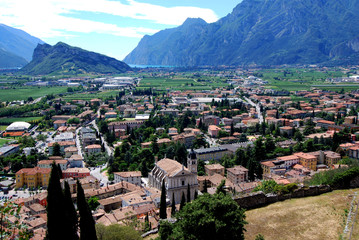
25, 92
320, 217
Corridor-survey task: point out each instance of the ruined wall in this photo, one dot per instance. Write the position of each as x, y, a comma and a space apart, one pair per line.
259, 199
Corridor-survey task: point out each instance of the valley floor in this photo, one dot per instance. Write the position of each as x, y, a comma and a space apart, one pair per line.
319, 217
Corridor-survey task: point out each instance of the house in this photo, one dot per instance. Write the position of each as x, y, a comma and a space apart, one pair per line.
111, 115
33, 177
59, 123
213, 130
212, 169
63, 145
324, 123
237, 174
88, 139
126, 125
76, 161
69, 151
176, 178
131, 177
307, 160
94, 148
76, 173
48, 164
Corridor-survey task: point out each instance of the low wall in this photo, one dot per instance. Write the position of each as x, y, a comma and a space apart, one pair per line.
259, 199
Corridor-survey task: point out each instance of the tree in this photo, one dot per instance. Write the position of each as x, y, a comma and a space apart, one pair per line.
205, 187
93, 203
183, 201
58, 226
71, 211
163, 206
220, 188
87, 223
56, 149
173, 205
188, 193
215, 216
259, 237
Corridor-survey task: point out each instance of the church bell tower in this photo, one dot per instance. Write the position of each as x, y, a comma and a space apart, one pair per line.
192, 162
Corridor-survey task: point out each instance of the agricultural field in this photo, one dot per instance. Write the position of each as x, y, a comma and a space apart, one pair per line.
8, 121
300, 79
88, 96
23, 93
319, 217
182, 83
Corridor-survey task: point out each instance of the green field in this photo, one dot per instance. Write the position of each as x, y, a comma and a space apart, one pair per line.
23, 93
3, 128
297, 79
23, 119
89, 96
182, 83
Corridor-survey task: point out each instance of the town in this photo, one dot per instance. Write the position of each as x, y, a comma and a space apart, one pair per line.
123, 147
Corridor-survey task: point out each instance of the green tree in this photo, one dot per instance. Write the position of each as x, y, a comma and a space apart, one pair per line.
87, 223
266, 186
71, 211
183, 201
58, 226
215, 216
220, 188
163, 204
56, 149
93, 203
173, 205
188, 193
259, 237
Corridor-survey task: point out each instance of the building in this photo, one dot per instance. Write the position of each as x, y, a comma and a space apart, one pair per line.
237, 174
63, 145
59, 123
63, 137
33, 177
94, 148
213, 130
7, 150
131, 177
48, 164
213, 153
126, 125
18, 127
69, 151
176, 178
212, 169
76, 173
307, 160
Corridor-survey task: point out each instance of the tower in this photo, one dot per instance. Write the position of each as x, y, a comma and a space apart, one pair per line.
192, 162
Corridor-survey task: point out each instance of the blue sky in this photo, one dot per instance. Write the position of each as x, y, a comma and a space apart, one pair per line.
111, 27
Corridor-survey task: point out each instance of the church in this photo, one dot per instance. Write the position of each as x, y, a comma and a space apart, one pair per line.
176, 177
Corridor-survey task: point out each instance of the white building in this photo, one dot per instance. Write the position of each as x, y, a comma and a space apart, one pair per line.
176, 177
131, 177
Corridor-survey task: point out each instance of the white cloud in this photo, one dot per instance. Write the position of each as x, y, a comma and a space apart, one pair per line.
47, 18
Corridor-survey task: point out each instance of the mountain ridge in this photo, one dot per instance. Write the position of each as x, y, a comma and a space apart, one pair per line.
263, 32
65, 59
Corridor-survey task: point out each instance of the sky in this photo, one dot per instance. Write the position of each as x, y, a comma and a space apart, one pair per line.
110, 27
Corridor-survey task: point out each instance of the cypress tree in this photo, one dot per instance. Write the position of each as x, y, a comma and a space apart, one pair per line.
183, 201
173, 206
71, 211
188, 193
205, 187
195, 195
87, 223
58, 226
163, 207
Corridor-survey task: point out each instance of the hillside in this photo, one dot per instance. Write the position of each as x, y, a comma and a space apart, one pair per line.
16, 47
311, 218
64, 59
264, 32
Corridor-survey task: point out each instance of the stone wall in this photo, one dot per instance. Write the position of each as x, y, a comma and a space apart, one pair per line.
259, 199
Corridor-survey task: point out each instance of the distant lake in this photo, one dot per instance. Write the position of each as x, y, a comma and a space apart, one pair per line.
150, 66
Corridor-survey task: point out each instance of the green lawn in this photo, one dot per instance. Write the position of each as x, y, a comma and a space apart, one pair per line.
3, 127
89, 96
23, 119
23, 93
3, 141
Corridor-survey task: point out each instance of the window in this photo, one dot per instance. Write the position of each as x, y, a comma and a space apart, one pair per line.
182, 183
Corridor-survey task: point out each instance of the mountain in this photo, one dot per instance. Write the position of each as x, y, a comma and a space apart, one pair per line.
16, 47
263, 32
64, 59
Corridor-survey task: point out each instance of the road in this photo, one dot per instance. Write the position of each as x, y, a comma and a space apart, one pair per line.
258, 109
108, 149
78, 142
96, 172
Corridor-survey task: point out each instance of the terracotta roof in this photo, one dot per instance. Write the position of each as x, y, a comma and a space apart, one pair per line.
171, 167
129, 174
214, 166
237, 170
